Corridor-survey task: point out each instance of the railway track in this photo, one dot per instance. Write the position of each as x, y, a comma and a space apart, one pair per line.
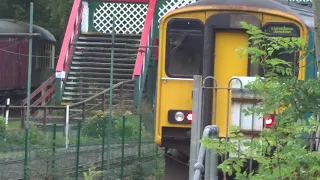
65, 159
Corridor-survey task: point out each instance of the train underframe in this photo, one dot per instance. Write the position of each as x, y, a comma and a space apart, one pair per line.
176, 142
16, 96
177, 152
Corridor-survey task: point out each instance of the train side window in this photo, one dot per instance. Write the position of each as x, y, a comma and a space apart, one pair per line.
184, 47
284, 30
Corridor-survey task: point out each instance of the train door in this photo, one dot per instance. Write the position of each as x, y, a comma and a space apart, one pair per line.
223, 35
227, 63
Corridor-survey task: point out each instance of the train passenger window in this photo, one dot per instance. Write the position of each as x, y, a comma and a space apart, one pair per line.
184, 47
284, 30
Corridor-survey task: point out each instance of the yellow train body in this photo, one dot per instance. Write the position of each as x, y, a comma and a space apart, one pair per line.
176, 93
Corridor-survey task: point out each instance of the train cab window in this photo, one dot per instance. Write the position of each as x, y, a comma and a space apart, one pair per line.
284, 30
184, 47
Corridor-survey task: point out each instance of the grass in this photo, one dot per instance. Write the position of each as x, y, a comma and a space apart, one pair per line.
14, 124
42, 136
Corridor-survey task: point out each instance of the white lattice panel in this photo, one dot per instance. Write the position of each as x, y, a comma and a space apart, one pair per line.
130, 17
172, 5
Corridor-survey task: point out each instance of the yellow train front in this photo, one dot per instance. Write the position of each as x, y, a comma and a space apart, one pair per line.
200, 39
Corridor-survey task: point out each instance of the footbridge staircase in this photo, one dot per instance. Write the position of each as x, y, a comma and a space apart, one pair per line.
99, 32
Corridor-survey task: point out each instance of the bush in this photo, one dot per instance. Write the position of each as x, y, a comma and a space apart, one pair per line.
37, 137
159, 170
138, 172
93, 127
131, 126
91, 174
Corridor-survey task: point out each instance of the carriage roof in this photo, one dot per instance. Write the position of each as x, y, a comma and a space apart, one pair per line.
13, 26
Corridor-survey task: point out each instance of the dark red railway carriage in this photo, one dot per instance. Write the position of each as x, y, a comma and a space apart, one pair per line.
14, 49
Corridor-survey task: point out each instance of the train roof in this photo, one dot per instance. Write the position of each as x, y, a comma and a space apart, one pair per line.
14, 26
305, 13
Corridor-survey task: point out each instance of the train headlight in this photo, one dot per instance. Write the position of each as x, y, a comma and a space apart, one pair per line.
179, 116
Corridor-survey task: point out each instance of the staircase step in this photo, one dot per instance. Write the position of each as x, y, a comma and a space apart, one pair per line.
115, 92
96, 69
106, 49
81, 91
105, 59
91, 64
125, 87
95, 87
106, 85
109, 39
95, 54
80, 99
102, 44
116, 80
101, 72
99, 34
107, 44
99, 75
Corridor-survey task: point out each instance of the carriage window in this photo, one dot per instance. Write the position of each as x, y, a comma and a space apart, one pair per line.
285, 30
184, 47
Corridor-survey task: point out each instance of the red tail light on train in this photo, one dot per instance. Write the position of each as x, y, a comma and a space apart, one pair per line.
269, 121
189, 116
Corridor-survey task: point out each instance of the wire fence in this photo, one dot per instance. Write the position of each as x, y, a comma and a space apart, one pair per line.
62, 148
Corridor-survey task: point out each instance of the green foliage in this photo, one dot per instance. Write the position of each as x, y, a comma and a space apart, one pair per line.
2, 127
91, 175
263, 49
159, 170
131, 129
284, 151
93, 126
38, 137
52, 15
137, 173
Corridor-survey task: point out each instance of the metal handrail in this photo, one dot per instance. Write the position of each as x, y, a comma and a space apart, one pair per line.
100, 93
144, 39
211, 161
68, 35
